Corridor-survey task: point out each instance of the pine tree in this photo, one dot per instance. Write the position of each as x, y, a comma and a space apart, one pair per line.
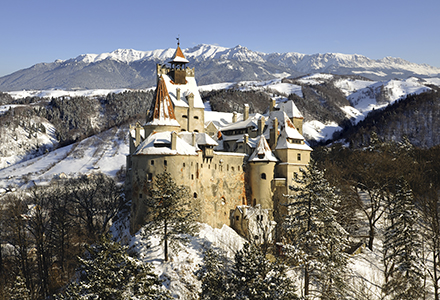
108, 272
255, 277
315, 240
252, 277
170, 213
402, 244
214, 276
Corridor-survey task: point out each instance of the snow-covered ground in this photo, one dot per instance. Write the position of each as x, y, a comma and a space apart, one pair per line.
104, 152
364, 274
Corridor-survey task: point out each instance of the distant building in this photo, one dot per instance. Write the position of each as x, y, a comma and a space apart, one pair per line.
249, 162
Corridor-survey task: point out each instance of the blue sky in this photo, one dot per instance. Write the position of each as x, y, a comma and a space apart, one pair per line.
42, 31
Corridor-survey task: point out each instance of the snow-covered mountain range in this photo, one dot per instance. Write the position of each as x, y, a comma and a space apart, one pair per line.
128, 68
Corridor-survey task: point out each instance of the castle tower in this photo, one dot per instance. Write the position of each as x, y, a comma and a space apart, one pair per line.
182, 88
178, 63
261, 174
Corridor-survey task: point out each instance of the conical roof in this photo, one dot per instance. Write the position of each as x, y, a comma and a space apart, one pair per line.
163, 112
178, 57
262, 152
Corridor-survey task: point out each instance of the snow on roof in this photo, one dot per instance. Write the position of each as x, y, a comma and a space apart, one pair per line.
178, 57
159, 143
201, 139
220, 119
283, 143
185, 89
290, 109
252, 121
284, 124
252, 142
262, 152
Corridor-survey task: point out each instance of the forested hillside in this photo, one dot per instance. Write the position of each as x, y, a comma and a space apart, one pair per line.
415, 117
51, 123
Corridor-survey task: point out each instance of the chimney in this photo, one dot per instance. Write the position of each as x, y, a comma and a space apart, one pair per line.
246, 112
193, 141
137, 134
272, 104
173, 140
178, 94
190, 98
245, 142
234, 117
274, 134
261, 123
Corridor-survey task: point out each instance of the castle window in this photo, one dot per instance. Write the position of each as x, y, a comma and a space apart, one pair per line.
227, 167
237, 218
150, 177
185, 116
196, 117
184, 165
232, 168
195, 130
195, 195
140, 196
263, 175
238, 168
201, 166
165, 162
152, 162
209, 167
192, 176
215, 166
299, 156
258, 218
182, 129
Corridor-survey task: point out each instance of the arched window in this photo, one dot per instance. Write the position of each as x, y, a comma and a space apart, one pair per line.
299, 156
263, 175
195, 195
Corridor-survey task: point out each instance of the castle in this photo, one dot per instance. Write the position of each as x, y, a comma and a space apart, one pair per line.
229, 169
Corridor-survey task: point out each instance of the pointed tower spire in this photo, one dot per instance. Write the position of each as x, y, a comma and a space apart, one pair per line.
178, 57
162, 112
